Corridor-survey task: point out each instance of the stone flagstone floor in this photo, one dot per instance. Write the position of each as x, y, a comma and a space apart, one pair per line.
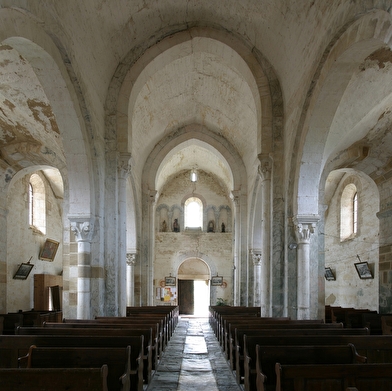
193, 360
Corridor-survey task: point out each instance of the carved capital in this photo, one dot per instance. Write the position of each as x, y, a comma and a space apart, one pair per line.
124, 164
153, 194
82, 228
265, 166
305, 227
256, 257
131, 259
235, 196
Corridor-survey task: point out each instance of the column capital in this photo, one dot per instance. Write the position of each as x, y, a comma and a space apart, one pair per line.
124, 163
256, 257
152, 196
265, 166
305, 226
82, 227
131, 259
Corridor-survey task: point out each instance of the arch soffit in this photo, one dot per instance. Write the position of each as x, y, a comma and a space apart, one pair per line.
255, 78
28, 38
198, 132
195, 255
359, 39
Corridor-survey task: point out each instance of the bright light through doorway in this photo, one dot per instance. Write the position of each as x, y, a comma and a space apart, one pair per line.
201, 298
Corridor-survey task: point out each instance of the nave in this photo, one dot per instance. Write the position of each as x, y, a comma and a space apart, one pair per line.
193, 360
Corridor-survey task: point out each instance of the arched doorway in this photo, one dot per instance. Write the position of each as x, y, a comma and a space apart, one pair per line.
194, 287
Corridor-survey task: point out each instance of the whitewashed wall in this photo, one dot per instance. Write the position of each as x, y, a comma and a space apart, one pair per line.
349, 290
24, 242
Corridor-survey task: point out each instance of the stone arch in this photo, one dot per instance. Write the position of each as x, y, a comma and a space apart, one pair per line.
48, 58
355, 42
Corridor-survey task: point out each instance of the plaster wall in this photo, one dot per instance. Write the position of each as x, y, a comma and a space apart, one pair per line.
385, 218
348, 290
24, 242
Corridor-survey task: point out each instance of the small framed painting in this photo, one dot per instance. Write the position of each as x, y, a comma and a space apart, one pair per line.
170, 281
363, 270
23, 271
49, 250
329, 276
216, 281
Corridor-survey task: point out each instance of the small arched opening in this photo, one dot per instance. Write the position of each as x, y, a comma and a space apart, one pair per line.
193, 287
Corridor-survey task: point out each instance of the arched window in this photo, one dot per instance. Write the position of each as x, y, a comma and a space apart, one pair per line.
193, 213
37, 203
349, 212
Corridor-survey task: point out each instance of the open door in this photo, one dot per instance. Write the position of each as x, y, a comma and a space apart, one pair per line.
186, 300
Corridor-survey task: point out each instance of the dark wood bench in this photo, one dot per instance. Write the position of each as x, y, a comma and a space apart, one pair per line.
293, 333
377, 348
135, 341
260, 361
157, 324
229, 336
271, 323
59, 379
337, 377
121, 375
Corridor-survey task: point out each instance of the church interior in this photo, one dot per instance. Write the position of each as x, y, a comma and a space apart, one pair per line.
196, 153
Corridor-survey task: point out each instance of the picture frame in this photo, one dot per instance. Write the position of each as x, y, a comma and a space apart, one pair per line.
49, 250
216, 281
329, 275
170, 281
363, 270
23, 271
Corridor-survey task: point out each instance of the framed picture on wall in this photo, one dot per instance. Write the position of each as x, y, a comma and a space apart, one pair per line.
23, 271
170, 281
216, 281
49, 250
329, 276
363, 270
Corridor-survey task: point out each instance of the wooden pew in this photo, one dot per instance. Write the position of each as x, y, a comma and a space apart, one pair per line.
377, 349
121, 375
260, 361
293, 334
59, 379
231, 325
217, 311
154, 342
263, 322
368, 377
143, 361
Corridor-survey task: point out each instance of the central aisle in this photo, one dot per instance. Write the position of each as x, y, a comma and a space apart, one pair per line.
193, 360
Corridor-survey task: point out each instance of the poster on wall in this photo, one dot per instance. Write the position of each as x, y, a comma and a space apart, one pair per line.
169, 294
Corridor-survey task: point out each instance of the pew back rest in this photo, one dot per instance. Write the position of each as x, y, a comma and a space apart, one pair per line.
369, 377
59, 379
118, 361
265, 357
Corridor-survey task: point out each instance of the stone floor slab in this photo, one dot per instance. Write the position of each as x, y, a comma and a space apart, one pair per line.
193, 360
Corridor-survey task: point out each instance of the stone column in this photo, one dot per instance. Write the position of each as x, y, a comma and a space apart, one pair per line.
130, 279
124, 169
150, 270
83, 229
3, 260
304, 231
265, 172
257, 301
